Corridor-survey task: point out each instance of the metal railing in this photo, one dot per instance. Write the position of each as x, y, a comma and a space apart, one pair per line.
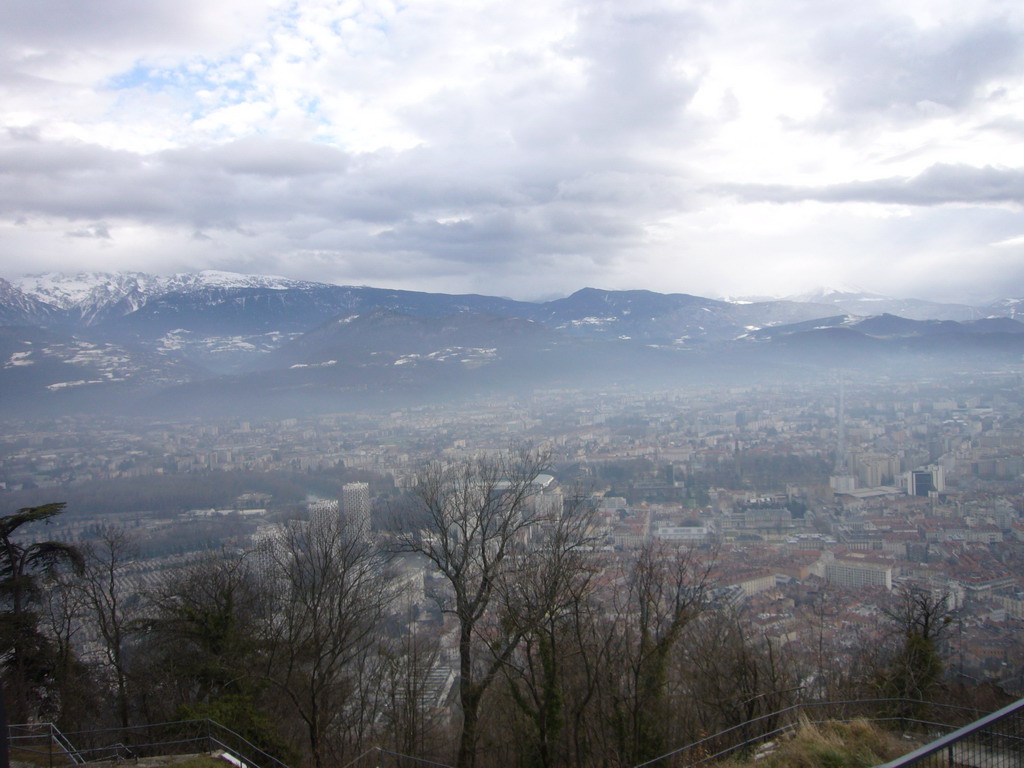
928, 717
994, 741
44, 744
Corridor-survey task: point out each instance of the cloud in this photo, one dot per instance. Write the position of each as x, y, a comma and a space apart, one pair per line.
896, 67
637, 81
426, 207
940, 184
179, 26
262, 156
535, 145
95, 232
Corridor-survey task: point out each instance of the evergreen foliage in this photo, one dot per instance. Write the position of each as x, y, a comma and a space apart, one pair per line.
28, 657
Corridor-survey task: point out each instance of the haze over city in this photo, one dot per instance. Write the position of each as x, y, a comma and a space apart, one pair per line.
519, 149
480, 384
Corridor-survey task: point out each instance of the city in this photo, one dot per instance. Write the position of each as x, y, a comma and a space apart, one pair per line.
811, 505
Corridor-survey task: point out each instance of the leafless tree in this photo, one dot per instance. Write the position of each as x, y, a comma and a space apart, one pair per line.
919, 610
112, 606
825, 608
63, 614
414, 720
331, 597
663, 590
912, 665
730, 673
472, 520
545, 602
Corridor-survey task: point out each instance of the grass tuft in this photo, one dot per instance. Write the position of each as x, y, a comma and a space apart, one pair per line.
857, 744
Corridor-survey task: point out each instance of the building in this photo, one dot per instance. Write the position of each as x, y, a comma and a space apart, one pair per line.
355, 506
924, 482
843, 483
323, 511
690, 534
875, 469
857, 571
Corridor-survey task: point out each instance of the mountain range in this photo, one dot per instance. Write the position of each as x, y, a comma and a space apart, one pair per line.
223, 342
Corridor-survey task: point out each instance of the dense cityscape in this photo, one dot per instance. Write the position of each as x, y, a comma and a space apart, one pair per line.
809, 507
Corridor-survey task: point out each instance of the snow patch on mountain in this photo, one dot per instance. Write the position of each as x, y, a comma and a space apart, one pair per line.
66, 384
87, 290
93, 296
19, 359
213, 278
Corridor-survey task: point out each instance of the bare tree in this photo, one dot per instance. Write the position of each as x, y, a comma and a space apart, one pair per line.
63, 612
731, 674
331, 597
474, 518
112, 605
825, 608
664, 590
414, 725
545, 602
913, 666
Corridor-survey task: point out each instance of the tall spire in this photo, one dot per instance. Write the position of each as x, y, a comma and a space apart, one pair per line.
841, 480
840, 467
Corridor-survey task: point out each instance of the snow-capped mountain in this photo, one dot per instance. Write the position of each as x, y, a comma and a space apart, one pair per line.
92, 297
210, 335
1012, 308
19, 308
89, 297
213, 278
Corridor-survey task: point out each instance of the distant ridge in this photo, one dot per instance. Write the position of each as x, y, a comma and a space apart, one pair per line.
113, 339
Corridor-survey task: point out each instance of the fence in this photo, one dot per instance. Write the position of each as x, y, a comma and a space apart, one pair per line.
44, 744
927, 717
41, 743
994, 741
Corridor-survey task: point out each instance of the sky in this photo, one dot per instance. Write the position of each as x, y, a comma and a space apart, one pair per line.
527, 149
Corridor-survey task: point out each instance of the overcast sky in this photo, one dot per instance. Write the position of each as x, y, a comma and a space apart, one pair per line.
524, 148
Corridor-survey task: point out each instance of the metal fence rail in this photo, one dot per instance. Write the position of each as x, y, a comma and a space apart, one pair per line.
44, 743
994, 741
929, 717
48, 746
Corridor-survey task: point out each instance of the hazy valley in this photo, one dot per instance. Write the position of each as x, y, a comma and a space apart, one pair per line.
218, 342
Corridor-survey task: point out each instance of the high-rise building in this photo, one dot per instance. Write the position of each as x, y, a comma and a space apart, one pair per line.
841, 479
355, 506
924, 482
322, 512
874, 469
266, 554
